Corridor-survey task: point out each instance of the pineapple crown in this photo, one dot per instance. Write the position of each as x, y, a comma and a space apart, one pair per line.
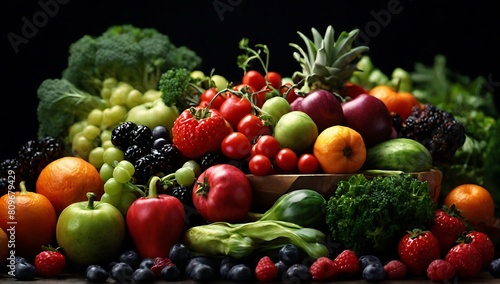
328, 64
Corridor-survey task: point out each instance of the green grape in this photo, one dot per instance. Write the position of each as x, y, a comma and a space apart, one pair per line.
81, 146
111, 199
106, 93
95, 117
109, 83
113, 155
121, 174
106, 144
96, 157
127, 198
127, 165
134, 98
120, 93
113, 187
113, 116
91, 132
76, 128
106, 172
151, 95
185, 176
195, 166
105, 135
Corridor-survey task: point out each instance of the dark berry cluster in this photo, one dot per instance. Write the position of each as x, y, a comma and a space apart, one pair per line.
31, 158
150, 150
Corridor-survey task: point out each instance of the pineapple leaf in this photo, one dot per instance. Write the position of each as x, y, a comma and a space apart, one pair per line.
317, 37
329, 45
311, 48
350, 56
344, 42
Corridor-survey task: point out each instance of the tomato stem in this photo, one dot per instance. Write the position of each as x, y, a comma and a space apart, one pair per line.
152, 191
203, 187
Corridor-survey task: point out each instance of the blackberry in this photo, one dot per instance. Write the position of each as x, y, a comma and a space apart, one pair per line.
9, 175
142, 136
173, 156
183, 193
134, 153
34, 155
148, 165
210, 159
121, 135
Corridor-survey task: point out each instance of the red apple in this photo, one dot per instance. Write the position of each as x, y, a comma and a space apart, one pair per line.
369, 116
322, 106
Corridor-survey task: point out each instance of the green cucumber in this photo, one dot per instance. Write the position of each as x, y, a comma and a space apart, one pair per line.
401, 154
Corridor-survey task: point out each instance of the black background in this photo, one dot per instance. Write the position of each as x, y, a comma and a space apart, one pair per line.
466, 32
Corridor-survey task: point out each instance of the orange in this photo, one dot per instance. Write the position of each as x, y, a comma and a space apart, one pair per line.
340, 150
474, 202
396, 102
30, 218
4, 247
67, 180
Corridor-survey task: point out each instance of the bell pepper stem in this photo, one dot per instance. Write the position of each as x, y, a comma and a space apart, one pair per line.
22, 187
152, 191
91, 198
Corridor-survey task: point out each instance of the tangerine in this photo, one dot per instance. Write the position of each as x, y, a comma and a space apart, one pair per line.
401, 103
475, 203
4, 246
340, 150
30, 217
67, 180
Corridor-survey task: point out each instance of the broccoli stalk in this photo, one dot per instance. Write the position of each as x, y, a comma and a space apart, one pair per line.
369, 216
179, 88
60, 105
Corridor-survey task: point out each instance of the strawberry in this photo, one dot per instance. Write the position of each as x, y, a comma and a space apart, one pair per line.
440, 270
417, 249
198, 131
484, 244
50, 262
447, 226
395, 269
347, 263
266, 270
323, 269
466, 259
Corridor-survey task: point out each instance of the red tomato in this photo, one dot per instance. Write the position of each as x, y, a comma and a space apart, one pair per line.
255, 79
267, 145
222, 193
286, 160
245, 88
291, 95
209, 94
308, 164
273, 78
252, 127
234, 108
236, 146
260, 165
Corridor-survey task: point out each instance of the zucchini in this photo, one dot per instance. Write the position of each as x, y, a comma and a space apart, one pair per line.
304, 207
402, 154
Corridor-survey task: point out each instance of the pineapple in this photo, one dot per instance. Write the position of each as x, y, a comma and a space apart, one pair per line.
328, 64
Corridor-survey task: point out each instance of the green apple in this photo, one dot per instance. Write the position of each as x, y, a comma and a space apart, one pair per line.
153, 114
296, 130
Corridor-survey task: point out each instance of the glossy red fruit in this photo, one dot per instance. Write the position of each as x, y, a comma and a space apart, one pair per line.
417, 249
266, 270
50, 263
347, 263
440, 270
484, 244
323, 269
447, 226
466, 259
395, 269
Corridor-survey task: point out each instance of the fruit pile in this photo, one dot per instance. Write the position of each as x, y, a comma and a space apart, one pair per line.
143, 182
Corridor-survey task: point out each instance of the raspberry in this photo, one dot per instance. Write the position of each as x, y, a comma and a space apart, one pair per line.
323, 269
50, 263
440, 270
395, 269
347, 263
266, 270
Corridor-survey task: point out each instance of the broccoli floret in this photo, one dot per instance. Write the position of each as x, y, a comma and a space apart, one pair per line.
437, 130
61, 104
371, 215
179, 88
130, 54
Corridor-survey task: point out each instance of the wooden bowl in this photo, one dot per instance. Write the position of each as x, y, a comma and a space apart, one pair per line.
267, 189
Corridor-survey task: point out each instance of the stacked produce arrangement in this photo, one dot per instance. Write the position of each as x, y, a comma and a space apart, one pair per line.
143, 168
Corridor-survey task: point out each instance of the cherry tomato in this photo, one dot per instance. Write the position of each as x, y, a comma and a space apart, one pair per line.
307, 164
236, 146
252, 127
254, 78
267, 145
209, 94
286, 160
260, 165
273, 78
291, 95
234, 108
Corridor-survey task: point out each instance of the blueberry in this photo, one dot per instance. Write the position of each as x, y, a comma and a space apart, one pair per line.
159, 142
240, 273
170, 273
24, 271
494, 268
289, 254
193, 262
364, 260
96, 274
143, 275
179, 254
373, 272
202, 272
282, 267
225, 266
297, 273
130, 257
160, 131
121, 272
146, 263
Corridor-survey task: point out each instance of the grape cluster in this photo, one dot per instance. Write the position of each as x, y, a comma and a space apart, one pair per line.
31, 158
151, 151
118, 189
